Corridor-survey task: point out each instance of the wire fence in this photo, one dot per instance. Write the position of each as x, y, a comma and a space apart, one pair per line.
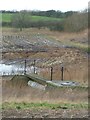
34, 66
51, 68
43, 67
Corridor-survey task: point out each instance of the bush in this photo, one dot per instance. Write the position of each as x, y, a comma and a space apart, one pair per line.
57, 26
76, 22
7, 24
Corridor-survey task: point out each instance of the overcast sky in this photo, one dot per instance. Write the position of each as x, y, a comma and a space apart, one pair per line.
62, 5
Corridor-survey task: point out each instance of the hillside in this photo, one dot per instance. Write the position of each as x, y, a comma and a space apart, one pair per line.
50, 48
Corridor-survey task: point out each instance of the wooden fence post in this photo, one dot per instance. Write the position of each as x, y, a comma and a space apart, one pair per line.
62, 72
25, 67
34, 66
51, 73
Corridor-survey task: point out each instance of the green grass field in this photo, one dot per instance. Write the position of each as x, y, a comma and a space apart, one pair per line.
24, 105
6, 17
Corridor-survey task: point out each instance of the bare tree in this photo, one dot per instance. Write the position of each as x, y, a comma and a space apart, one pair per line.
76, 22
21, 20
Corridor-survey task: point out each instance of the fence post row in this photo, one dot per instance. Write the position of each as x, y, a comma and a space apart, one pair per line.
34, 70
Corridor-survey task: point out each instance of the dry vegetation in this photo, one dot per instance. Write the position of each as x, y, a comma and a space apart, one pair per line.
22, 101
75, 60
75, 69
18, 91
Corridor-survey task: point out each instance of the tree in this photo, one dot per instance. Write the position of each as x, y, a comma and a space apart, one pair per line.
77, 22
21, 19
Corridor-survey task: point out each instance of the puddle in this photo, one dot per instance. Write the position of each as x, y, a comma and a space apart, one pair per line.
15, 69
63, 83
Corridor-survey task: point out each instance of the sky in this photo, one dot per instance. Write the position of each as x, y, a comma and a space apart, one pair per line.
62, 5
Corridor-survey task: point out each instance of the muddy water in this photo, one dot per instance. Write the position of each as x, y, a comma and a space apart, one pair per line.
15, 69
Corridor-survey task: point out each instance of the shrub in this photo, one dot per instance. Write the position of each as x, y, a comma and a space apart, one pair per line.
77, 22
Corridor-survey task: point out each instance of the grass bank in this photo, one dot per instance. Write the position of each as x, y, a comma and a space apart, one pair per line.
43, 105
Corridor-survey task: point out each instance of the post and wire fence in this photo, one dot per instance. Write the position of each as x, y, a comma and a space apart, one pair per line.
34, 65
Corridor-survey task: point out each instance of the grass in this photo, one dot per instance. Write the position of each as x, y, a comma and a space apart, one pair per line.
81, 46
37, 18
23, 105
6, 17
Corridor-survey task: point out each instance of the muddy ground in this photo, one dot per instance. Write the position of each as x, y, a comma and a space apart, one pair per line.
45, 113
49, 49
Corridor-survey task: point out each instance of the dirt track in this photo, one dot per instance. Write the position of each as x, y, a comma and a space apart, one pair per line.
45, 113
